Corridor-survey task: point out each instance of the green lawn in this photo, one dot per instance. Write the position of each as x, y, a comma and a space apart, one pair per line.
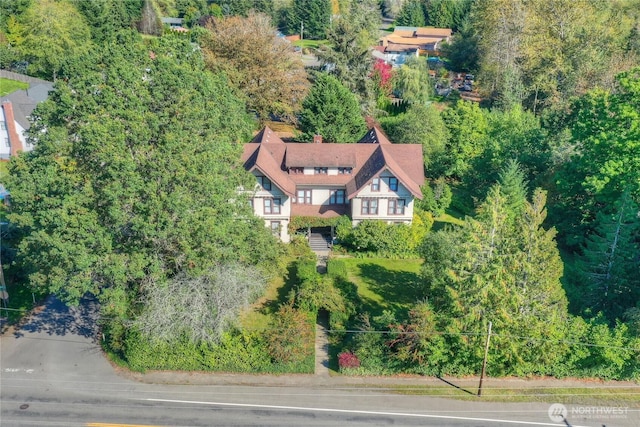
309, 44
7, 86
259, 314
386, 284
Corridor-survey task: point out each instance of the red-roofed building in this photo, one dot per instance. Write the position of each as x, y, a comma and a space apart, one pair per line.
372, 179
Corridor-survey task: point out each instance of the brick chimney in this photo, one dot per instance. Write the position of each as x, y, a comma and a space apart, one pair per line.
317, 139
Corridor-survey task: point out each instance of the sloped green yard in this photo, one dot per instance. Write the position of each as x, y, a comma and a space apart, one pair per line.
385, 284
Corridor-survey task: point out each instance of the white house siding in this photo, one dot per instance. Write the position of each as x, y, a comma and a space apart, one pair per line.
285, 208
383, 197
5, 148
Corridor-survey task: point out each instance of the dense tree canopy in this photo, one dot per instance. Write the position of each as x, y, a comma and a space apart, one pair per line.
489, 270
420, 124
136, 176
263, 66
543, 53
606, 156
52, 31
309, 17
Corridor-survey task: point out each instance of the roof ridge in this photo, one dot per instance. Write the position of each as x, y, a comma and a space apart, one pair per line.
399, 173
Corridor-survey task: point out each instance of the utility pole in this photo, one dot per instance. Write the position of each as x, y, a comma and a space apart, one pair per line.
301, 30
484, 362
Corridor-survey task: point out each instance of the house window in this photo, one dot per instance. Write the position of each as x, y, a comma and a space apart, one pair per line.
320, 171
6, 142
272, 206
266, 183
296, 171
344, 171
337, 197
393, 184
396, 207
3, 126
304, 197
369, 207
375, 184
275, 228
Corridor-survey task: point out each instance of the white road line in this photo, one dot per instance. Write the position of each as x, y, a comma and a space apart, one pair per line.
350, 411
28, 371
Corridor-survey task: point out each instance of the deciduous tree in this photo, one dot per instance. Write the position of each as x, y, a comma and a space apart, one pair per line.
56, 30
134, 176
420, 124
199, 308
605, 162
264, 67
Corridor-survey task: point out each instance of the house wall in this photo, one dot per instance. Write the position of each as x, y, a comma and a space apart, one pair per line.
5, 146
383, 197
285, 208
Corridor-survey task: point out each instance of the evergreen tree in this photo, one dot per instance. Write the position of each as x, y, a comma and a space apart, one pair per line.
412, 14
311, 16
514, 187
107, 17
609, 265
349, 60
332, 111
489, 270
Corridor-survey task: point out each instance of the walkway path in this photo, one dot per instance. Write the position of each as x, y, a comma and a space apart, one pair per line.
322, 325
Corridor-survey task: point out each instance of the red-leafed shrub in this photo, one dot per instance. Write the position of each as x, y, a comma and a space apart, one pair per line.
382, 73
348, 360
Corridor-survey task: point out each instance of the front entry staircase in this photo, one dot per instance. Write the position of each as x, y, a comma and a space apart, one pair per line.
319, 242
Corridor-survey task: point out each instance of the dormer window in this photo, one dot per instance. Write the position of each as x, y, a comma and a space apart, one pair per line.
296, 171
375, 184
393, 184
320, 171
266, 183
344, 171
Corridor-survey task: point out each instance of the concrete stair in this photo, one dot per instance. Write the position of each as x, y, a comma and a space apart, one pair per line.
319, 242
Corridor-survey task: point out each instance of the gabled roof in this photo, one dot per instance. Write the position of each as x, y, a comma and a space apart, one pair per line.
266, 161
373, 155
404, 161
374, 136
266, 135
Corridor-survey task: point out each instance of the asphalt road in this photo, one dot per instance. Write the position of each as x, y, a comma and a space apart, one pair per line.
53, 373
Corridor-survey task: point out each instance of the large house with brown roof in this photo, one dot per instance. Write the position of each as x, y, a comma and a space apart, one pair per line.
371, 179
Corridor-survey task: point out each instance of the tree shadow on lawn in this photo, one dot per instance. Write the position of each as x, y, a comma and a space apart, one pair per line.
272, 306
398, 289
